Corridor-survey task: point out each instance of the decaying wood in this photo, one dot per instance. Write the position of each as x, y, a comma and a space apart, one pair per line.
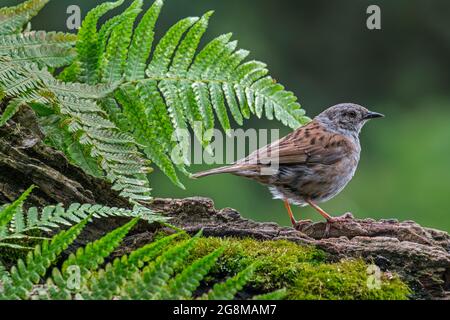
420, 255
26, 160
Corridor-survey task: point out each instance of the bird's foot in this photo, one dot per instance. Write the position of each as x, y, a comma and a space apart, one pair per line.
348, 216
345, 217
301, 223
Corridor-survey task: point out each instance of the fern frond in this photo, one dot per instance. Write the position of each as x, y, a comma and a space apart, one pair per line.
10, 110
7, 213
108, 281
145, 134
228, 289
141, 44
183, 285
59, 137
94, 253
53, 217
29, 272
88, 48
53, 49
17, 80
114, 60
83, 118
149, 283
86, 260
12, 19
75, 90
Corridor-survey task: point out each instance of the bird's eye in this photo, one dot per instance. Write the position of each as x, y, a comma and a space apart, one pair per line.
350, 114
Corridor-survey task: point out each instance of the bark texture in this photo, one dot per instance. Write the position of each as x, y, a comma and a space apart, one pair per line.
420, 255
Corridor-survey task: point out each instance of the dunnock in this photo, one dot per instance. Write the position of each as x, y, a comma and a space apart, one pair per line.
314, 163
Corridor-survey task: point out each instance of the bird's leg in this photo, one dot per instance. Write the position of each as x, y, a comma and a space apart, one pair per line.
291, 216
329, 218
320, 211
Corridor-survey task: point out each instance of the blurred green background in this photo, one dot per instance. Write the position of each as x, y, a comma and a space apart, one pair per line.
322, 51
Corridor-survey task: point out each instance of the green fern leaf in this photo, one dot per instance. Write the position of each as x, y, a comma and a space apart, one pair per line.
94, 253
86, 260
141, 45
184, 284
10, 110
148, 285
114, 60
227, 290
88, 46
108, 281
145, 135
12, 19
8, 212
53, 217
45, 48
29, 272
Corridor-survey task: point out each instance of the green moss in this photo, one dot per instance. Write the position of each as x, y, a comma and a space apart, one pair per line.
303, 270
344, 280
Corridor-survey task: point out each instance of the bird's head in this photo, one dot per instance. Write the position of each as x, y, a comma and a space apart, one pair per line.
347, 118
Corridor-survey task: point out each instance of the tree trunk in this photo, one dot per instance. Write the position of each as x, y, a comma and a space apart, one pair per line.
420, 255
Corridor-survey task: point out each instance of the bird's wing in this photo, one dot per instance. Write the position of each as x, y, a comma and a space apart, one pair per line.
311, 144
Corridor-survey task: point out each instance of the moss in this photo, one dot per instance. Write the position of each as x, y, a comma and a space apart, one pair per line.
344, 280
303, 270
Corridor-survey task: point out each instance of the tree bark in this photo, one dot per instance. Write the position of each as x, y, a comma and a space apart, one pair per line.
421, 256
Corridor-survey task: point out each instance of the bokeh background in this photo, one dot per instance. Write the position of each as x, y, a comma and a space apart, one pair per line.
322, 51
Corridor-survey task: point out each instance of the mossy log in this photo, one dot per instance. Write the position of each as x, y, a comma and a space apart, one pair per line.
421, 256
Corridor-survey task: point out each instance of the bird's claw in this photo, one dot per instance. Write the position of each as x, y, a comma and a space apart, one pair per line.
300, 223
343, 218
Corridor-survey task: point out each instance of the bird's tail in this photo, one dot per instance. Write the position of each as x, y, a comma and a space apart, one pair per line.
226, 169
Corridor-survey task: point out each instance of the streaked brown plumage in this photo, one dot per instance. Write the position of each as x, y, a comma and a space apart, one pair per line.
315, 162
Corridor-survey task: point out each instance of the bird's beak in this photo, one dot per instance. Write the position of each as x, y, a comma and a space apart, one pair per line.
373, 115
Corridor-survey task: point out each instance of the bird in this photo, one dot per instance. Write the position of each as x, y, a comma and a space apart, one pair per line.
310, 165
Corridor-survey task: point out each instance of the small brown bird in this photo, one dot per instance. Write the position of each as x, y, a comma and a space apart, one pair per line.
313, 163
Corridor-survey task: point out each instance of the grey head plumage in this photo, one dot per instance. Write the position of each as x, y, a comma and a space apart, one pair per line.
346, 118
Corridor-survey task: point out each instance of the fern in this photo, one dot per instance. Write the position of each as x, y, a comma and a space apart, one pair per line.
155, 271
115, 152
10, 110
114, 276
127, 102
180, 87
88, 47
184, 284
29, 272
44, 48
227, 289
88, 259
149, 284
12, 19
7, 213
16, 224
141, 44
